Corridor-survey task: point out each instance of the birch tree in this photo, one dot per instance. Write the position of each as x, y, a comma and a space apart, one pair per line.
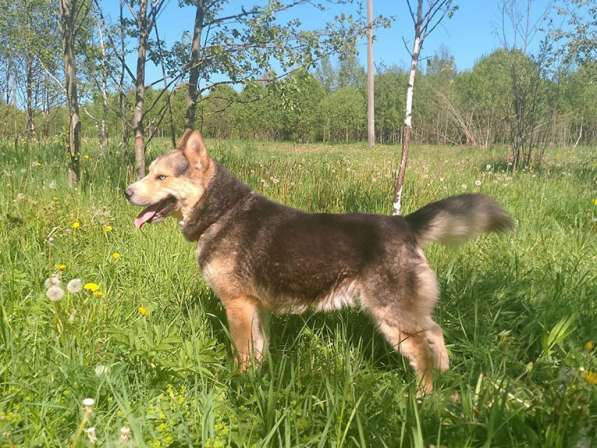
71, 12
426, 18
370, 78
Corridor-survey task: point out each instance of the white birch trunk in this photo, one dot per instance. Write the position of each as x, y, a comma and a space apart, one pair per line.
370, 78
407, 129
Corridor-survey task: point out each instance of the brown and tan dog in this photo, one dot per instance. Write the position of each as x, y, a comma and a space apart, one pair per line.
259, 256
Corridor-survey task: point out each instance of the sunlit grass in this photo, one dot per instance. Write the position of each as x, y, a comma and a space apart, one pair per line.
147, 340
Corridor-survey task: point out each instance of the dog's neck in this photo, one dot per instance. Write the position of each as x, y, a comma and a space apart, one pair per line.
223, 193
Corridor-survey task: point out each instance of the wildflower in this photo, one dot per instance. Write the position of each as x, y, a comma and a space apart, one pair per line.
91, 287
143, 311
88, 404
589, 345
91, 435
101, 370
116, 256
125, 433
107, 228
488, 167
74, 286
55, 293
86, 157
590, 377
477, 183
60, 266
595, 202
75, 225
54, 280
98, 294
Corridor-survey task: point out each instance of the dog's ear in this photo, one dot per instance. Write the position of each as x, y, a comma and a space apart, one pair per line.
194, 149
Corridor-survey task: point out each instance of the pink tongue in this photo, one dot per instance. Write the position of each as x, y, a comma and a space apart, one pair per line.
143, 218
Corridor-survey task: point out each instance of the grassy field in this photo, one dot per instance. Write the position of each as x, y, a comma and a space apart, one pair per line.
147, 340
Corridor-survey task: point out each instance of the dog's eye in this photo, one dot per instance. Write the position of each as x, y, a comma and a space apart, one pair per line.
162, 177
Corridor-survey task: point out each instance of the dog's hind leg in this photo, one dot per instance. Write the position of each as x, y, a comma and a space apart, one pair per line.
402, 304
415, 348
245, 321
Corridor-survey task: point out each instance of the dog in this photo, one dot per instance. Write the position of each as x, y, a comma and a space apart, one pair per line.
262, 257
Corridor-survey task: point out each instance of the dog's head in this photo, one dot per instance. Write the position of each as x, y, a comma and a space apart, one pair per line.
175, 183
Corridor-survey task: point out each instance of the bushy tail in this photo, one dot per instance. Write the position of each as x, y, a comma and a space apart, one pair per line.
458, 218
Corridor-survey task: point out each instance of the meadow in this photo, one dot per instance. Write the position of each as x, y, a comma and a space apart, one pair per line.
147, 340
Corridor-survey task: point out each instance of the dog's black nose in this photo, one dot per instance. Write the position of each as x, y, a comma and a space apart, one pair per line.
128, 193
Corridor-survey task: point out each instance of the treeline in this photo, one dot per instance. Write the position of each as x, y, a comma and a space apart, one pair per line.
329, 105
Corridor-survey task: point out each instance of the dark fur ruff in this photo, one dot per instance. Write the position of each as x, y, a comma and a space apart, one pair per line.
220, 198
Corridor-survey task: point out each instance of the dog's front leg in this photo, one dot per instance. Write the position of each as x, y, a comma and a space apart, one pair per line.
246, 329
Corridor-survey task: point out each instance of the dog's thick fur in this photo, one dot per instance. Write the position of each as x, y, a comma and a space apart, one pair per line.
259, 256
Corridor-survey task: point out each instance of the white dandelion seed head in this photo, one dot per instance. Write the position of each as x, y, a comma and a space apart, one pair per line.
91, 435
478, 183
125, 433
55, 293
101, 370
53, 280
74, 286
488, 167
88, 402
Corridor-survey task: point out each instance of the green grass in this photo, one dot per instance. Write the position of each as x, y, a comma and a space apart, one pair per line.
517, 311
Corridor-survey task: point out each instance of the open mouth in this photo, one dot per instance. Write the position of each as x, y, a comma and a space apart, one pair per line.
156, 212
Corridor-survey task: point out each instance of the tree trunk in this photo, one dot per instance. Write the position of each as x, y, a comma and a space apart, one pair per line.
8, 80
29, 92
370, 78
46, 108
407, 129
121, 94
67, 13
138, 128
193, 91
103, 125
103, 128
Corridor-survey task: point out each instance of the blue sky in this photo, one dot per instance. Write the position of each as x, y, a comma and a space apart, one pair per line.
471, 33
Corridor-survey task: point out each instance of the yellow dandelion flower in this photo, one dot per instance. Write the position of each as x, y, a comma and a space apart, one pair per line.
75, 225
116, 256
589, 345
108, 228
98, 294
595, 202
86, 157
91, 287
143, 311
60, 266
590, 377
